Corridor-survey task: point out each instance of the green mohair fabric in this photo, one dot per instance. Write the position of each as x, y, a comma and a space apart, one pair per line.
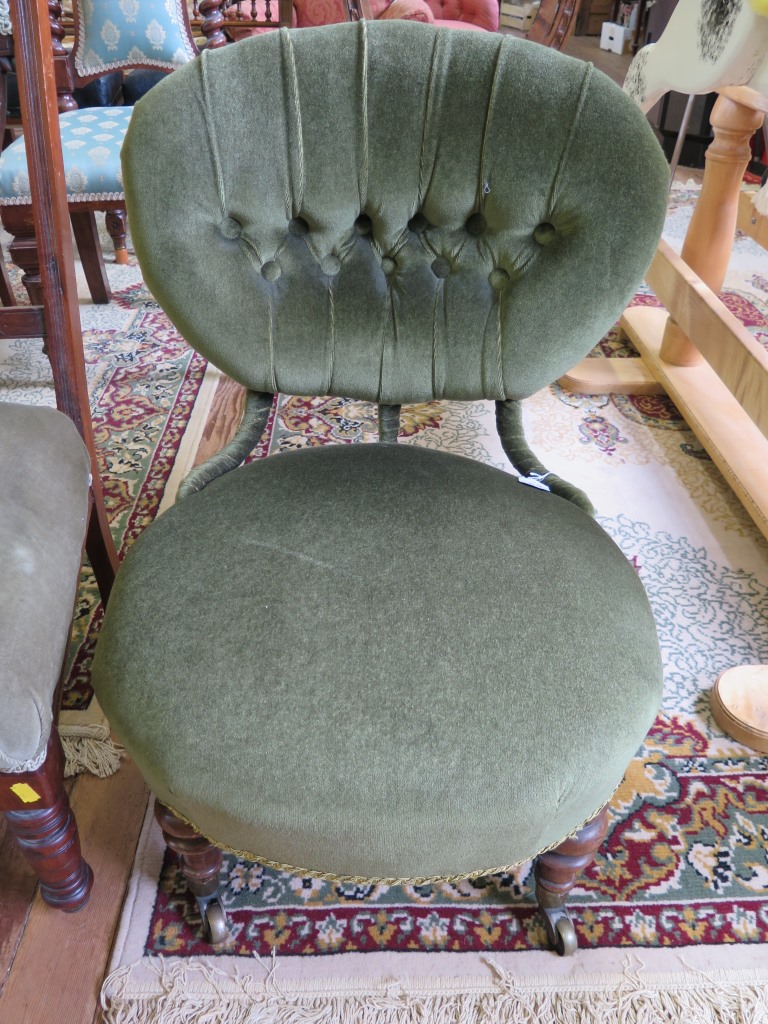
379, 661
392, 211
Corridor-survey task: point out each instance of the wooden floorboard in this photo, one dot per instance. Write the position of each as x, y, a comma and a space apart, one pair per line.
223, 418
16, 892
61, 959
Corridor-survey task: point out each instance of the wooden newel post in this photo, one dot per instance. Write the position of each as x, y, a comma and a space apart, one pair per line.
39, 112
709, 239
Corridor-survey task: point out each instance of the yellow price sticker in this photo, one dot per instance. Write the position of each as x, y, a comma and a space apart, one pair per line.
24, 792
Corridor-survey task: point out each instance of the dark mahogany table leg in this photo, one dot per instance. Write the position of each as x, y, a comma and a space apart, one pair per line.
556, 873
200, 865
39, 817
18, 222
91, 257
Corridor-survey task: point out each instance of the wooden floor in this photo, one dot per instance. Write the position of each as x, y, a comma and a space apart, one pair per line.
52, 964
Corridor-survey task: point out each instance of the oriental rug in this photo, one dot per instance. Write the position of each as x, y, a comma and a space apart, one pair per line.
672, 919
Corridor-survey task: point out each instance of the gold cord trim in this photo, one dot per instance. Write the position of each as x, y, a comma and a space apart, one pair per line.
327, 876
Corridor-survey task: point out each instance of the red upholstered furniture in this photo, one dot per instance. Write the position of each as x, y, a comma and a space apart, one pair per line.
472, 14
468, 14
320, 12
306, 14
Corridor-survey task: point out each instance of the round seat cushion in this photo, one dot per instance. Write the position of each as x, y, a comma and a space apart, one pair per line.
379, 661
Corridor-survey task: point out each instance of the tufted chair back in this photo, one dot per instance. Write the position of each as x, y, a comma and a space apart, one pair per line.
472, 242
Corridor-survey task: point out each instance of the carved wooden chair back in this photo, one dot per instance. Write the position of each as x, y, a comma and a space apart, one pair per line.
554, 23
220, 21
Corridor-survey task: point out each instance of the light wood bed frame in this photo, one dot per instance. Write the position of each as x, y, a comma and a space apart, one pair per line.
694, 349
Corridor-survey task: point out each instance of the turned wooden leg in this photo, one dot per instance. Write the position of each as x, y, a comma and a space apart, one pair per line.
115, 221
39, 817
18, 222
556, 873
709, 239
89, 248
201, 866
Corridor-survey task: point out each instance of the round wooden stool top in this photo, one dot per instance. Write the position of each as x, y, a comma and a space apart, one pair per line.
740, 705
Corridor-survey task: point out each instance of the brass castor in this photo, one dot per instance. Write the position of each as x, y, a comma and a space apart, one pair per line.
560, 930
214, 917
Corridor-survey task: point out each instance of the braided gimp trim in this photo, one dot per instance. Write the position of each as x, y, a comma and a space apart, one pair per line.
327, 876
509, 423
258, 405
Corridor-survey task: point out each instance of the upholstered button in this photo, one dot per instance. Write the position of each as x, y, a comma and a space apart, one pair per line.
418, 223
330, 265
544, 233
498, 278
476, 224
363, 224
231, 228
271, 270
441, 267
298, 227
388, 265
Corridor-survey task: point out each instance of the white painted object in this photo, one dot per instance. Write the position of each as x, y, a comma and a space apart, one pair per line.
707, 45
615, 38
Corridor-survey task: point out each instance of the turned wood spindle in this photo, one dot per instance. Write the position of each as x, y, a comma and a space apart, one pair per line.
200, 860
556, 871
38, 815
709, 239
213, 19
65, 83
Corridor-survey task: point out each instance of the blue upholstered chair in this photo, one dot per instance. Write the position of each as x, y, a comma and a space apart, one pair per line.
381, 661
109, 36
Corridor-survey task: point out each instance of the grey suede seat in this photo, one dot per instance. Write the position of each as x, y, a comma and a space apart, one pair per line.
43, 516
379, 661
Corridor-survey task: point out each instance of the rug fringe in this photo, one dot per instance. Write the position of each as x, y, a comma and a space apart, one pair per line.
200, 993
89, 748
87, 742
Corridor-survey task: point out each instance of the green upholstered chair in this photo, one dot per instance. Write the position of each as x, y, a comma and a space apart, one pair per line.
380, 661
44, 504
